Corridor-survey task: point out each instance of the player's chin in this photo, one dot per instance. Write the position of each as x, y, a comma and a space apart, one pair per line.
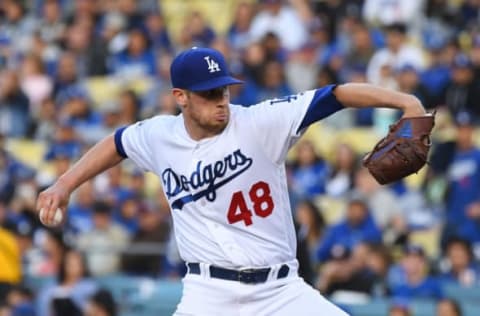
220, 120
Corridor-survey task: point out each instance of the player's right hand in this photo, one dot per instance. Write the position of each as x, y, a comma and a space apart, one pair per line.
56, 196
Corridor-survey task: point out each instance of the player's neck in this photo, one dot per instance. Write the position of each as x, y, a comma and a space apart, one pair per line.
198, 133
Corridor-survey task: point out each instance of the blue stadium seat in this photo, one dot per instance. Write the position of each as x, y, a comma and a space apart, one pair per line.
374, 308
462, 294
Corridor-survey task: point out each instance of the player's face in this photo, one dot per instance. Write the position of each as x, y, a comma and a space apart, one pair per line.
206, 112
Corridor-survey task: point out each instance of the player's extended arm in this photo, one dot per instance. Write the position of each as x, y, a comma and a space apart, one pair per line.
99, 158
361, 95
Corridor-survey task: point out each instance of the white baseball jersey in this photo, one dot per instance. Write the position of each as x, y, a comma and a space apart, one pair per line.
228, 193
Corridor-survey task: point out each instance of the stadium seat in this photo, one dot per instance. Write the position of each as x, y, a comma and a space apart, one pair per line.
27, 151
374, 308
103, 89
462, 294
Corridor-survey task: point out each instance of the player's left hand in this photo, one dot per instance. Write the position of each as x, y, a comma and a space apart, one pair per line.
403, 151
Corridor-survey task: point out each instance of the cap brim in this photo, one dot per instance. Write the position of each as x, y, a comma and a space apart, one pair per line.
215, 83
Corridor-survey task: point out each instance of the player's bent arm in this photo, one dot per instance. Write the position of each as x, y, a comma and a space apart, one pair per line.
362, 95
99, 158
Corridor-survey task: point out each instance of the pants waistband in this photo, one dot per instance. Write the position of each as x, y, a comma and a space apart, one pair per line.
247, 276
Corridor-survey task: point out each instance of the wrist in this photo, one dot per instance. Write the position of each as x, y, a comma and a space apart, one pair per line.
412, 107
65, 183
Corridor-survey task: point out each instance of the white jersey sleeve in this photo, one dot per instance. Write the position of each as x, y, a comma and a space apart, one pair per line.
278, 123
134, 142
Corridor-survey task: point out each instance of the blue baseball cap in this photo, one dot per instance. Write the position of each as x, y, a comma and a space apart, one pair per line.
200, 69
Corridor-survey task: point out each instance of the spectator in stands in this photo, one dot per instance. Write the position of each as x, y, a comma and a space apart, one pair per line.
80, 210
52, 26
201, 32
463, 200
272, 85
10, 264
137, 61
349, 272
104, 243
152, 235
436, 76
101, 304
157, 32
378, 263
273, 48
17, 28
20, 300
11, 172
463, 91
113, 34
14, 106
111, 187
70, 294
417, 284
399, 310
129, 107
408, 12
65, 143
408, 81
281, 19
46, 122
239, 31
396, 54
341, 178
5, 310
475, 54
128, 216
308, 172
31, 255
381, 201
301, 68
130, 9
448, 307
66, 74
52, 250
167, 104
254, 58
311, 227
462, 269
361, 50
358, 227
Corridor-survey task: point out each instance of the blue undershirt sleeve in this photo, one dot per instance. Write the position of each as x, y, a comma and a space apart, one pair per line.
323, 104
118, 141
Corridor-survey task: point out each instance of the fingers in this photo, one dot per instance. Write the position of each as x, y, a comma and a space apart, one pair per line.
47, 204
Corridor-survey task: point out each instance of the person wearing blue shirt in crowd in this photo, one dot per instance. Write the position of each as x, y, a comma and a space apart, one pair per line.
137, 60
416, 284
462, 269
356, 228
463, 200
11, 172
272, 85
308, 174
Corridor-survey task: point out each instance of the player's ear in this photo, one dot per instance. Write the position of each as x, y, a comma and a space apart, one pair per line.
180, 96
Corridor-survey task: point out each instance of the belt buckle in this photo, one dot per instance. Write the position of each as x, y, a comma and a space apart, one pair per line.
247, 276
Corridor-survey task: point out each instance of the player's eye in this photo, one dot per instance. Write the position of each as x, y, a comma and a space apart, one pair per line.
213, 94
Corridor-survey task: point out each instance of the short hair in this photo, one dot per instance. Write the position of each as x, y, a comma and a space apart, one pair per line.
104, 299
455, 305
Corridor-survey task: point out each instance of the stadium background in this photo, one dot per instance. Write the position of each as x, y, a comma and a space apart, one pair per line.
72, 72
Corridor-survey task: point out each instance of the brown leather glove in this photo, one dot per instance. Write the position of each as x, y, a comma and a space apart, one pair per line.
403, 151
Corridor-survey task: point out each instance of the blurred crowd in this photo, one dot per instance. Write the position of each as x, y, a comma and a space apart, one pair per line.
53, 51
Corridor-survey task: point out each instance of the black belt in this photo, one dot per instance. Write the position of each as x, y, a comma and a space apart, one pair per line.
248, 276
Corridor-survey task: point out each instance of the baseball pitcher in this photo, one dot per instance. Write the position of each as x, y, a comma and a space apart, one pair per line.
222, 170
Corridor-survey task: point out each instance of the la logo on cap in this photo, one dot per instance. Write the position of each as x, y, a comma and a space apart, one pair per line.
212, 65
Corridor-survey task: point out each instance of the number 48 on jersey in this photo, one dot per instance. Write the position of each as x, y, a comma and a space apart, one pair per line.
260, 198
